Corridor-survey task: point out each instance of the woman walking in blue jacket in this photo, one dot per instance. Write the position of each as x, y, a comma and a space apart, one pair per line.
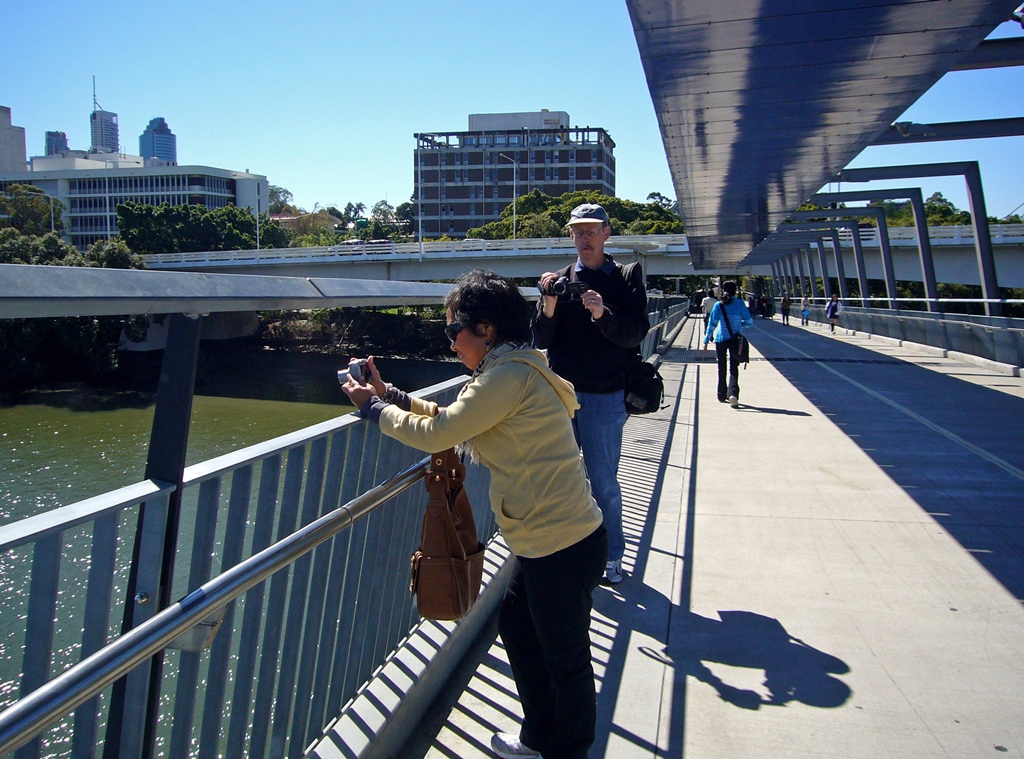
728, 318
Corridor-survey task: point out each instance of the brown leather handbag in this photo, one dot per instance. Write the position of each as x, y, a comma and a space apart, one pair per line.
447, 568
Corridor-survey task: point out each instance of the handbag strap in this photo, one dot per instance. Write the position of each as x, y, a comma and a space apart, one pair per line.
725, 320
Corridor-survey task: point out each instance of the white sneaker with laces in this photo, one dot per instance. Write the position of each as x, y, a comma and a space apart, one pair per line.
734, 401
613, 572
509, 746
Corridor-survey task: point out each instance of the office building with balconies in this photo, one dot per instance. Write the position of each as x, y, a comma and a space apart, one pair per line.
91, 185
465, 179
158, 141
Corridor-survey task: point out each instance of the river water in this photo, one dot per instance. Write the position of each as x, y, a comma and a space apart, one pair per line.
59, 445
63, 444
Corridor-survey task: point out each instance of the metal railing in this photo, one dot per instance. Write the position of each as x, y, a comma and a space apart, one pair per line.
82, 584
291, 649
373, 249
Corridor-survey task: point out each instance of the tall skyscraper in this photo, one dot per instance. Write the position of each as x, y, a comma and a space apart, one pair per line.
158, 141
56, 142
104, 132
103, 126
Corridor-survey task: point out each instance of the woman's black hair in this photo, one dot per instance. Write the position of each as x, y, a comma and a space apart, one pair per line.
728, 292
483, 296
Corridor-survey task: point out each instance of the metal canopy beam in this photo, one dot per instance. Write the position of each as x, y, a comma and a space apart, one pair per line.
905, 133
762, 102
979, 216
44, 291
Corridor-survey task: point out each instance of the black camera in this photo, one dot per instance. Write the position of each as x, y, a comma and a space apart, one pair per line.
563, 285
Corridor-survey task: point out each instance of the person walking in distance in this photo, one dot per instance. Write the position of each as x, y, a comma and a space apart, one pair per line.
591, 338
727, 321
832, 312
784, 306
705, 306
805, 311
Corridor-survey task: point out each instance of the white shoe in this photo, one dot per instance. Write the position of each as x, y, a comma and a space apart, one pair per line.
509, 746
613, 572
734, 401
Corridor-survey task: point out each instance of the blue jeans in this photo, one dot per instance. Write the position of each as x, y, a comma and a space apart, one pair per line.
598, 427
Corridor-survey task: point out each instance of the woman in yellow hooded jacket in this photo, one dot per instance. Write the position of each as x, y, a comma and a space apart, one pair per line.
515, 416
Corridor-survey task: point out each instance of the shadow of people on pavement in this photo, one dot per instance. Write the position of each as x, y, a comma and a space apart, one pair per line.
793, 669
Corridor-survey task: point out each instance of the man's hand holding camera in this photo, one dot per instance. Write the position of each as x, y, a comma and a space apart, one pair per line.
551, 286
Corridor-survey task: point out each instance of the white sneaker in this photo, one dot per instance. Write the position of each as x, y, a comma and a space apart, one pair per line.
509, 746
734, 401
613, 572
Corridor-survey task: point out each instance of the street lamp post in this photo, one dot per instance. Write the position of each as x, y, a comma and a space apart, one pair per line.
515, 176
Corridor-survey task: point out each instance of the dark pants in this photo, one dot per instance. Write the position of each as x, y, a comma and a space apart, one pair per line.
733, 388
544, 623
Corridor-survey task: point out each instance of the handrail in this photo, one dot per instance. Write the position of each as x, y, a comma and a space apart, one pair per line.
29, 716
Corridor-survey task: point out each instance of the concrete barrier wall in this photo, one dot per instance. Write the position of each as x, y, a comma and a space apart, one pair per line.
989, 338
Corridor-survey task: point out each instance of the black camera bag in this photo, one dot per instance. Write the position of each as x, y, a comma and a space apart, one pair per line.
645, 389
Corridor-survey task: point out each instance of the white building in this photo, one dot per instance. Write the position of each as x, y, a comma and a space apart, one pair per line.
91, 185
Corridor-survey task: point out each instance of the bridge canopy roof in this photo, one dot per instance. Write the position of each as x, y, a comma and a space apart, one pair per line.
762, 102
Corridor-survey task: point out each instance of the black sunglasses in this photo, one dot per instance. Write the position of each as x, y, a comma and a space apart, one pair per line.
452, 331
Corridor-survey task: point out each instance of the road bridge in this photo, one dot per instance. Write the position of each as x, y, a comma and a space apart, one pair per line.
662, 255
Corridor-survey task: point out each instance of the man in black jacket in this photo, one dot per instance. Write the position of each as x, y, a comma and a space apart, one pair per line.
592, 338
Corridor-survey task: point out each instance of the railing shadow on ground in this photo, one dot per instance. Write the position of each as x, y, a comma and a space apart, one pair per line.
793, 670
954, 447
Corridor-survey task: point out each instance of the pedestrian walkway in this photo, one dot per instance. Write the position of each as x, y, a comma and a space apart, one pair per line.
834, 569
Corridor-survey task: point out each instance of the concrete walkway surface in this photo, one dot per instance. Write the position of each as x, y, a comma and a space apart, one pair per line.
834, 569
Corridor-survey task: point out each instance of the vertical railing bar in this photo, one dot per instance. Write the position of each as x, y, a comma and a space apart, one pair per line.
263, 534
412, 519
39, 626
353, 561
326, 650
99, 592
297, 597
389, 565
270, 651
203, 538
133, 699
319, 561
366, 603
220, 652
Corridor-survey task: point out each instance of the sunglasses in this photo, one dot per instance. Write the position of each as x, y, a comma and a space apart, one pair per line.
452, 331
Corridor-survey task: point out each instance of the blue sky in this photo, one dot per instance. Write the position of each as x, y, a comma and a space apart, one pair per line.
324, 97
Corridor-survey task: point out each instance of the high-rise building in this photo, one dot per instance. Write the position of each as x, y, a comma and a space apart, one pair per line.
103, 125
158, 141
12, 143
56, 142
465, 179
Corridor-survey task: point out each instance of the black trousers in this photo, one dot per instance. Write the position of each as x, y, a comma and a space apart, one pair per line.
723, 349
544, 623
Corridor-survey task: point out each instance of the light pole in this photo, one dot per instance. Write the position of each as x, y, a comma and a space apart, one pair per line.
515, 175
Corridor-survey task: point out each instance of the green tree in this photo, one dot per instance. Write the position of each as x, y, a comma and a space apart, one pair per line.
171, 229
280, 200
27, 209
540, 212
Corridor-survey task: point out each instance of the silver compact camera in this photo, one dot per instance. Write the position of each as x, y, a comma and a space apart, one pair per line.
356, 370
